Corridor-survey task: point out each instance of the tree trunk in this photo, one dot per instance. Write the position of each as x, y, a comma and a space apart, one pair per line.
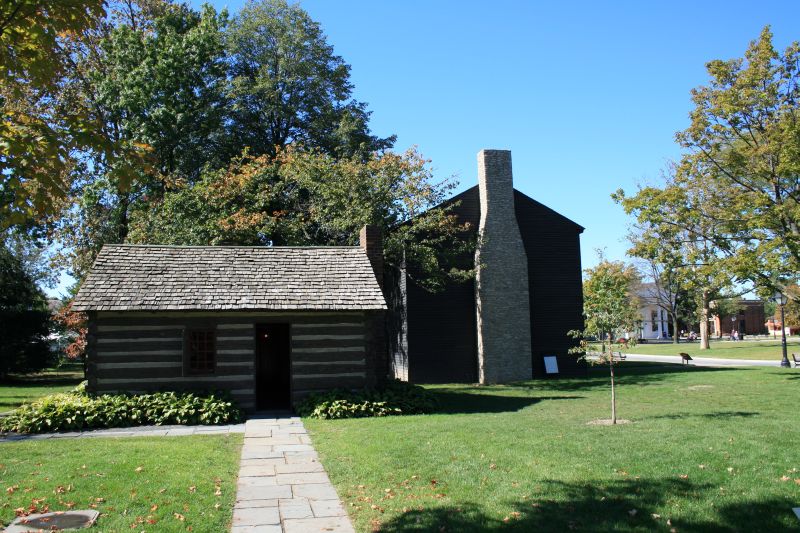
675, 335
613, 394
613, 389
122, 217
705, 311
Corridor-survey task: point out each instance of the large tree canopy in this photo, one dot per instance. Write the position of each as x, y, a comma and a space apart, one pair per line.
288, 85
240, 131
180, 94
37, 139
726, 217
306, 197
744, 153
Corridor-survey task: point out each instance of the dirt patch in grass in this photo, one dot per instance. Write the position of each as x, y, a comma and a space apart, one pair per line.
700, 387
606, 422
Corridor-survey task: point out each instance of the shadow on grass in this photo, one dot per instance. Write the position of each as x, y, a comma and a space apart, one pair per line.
626, 505
712, 415
473, 400
626, 373
67, 377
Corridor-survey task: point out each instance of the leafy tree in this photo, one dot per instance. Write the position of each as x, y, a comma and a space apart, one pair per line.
154, 77
24, 321
791, 310
180, 93
610, 309
744, 149
672, 231
301, 197
36, 141
288, 85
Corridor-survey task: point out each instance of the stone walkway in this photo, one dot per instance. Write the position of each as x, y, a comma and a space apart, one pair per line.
138, 431
283, 487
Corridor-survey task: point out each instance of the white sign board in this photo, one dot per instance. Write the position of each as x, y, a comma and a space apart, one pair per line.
550, 364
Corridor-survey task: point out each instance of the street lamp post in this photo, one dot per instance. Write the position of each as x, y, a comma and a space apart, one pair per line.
781, 299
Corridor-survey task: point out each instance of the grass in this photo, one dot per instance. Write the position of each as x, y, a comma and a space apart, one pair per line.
159, 484
708, 450
22, 389
763, 350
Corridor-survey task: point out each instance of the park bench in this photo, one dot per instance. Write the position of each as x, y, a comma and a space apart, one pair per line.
618, 356
796, 361
685, 358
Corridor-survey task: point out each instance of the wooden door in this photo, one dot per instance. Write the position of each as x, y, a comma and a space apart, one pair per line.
273, 366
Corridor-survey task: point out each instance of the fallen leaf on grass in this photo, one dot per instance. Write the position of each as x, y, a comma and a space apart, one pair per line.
139, 469
154, 508
633, 512
193, 489
179, 517
684, 476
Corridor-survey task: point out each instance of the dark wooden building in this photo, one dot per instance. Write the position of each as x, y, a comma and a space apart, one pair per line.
436, 337
266, 324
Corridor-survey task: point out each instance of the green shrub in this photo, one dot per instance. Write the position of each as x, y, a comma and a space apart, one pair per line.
396, 398
76, 410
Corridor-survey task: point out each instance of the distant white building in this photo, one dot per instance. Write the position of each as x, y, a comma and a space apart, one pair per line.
655, 320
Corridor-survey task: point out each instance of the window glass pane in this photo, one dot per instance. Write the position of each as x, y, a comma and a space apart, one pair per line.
201, 351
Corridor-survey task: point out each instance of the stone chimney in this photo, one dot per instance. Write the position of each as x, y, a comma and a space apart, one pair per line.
370, 239
501, 284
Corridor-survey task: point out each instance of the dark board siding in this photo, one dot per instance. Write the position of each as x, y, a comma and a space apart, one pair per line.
441, 337
143, 352
319, 350
441, 334
552, 244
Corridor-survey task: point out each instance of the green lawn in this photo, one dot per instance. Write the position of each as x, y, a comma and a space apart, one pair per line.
20, 389
138, 484
708, 450
764, 350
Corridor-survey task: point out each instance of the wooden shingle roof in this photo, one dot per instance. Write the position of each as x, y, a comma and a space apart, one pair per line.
162, 278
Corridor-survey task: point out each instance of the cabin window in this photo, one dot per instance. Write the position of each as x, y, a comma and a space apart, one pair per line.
200, 352
654, 320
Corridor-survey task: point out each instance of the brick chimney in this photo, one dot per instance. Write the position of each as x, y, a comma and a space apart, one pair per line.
501, 284
370, 239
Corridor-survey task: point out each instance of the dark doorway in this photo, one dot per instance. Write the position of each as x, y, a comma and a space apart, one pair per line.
273, 378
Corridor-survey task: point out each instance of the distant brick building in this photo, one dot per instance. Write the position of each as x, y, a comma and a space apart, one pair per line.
750, 320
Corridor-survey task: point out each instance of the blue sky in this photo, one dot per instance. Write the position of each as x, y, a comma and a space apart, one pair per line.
587, 95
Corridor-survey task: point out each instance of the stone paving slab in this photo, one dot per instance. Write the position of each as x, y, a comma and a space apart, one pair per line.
282, 486
331, 524
139, 431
